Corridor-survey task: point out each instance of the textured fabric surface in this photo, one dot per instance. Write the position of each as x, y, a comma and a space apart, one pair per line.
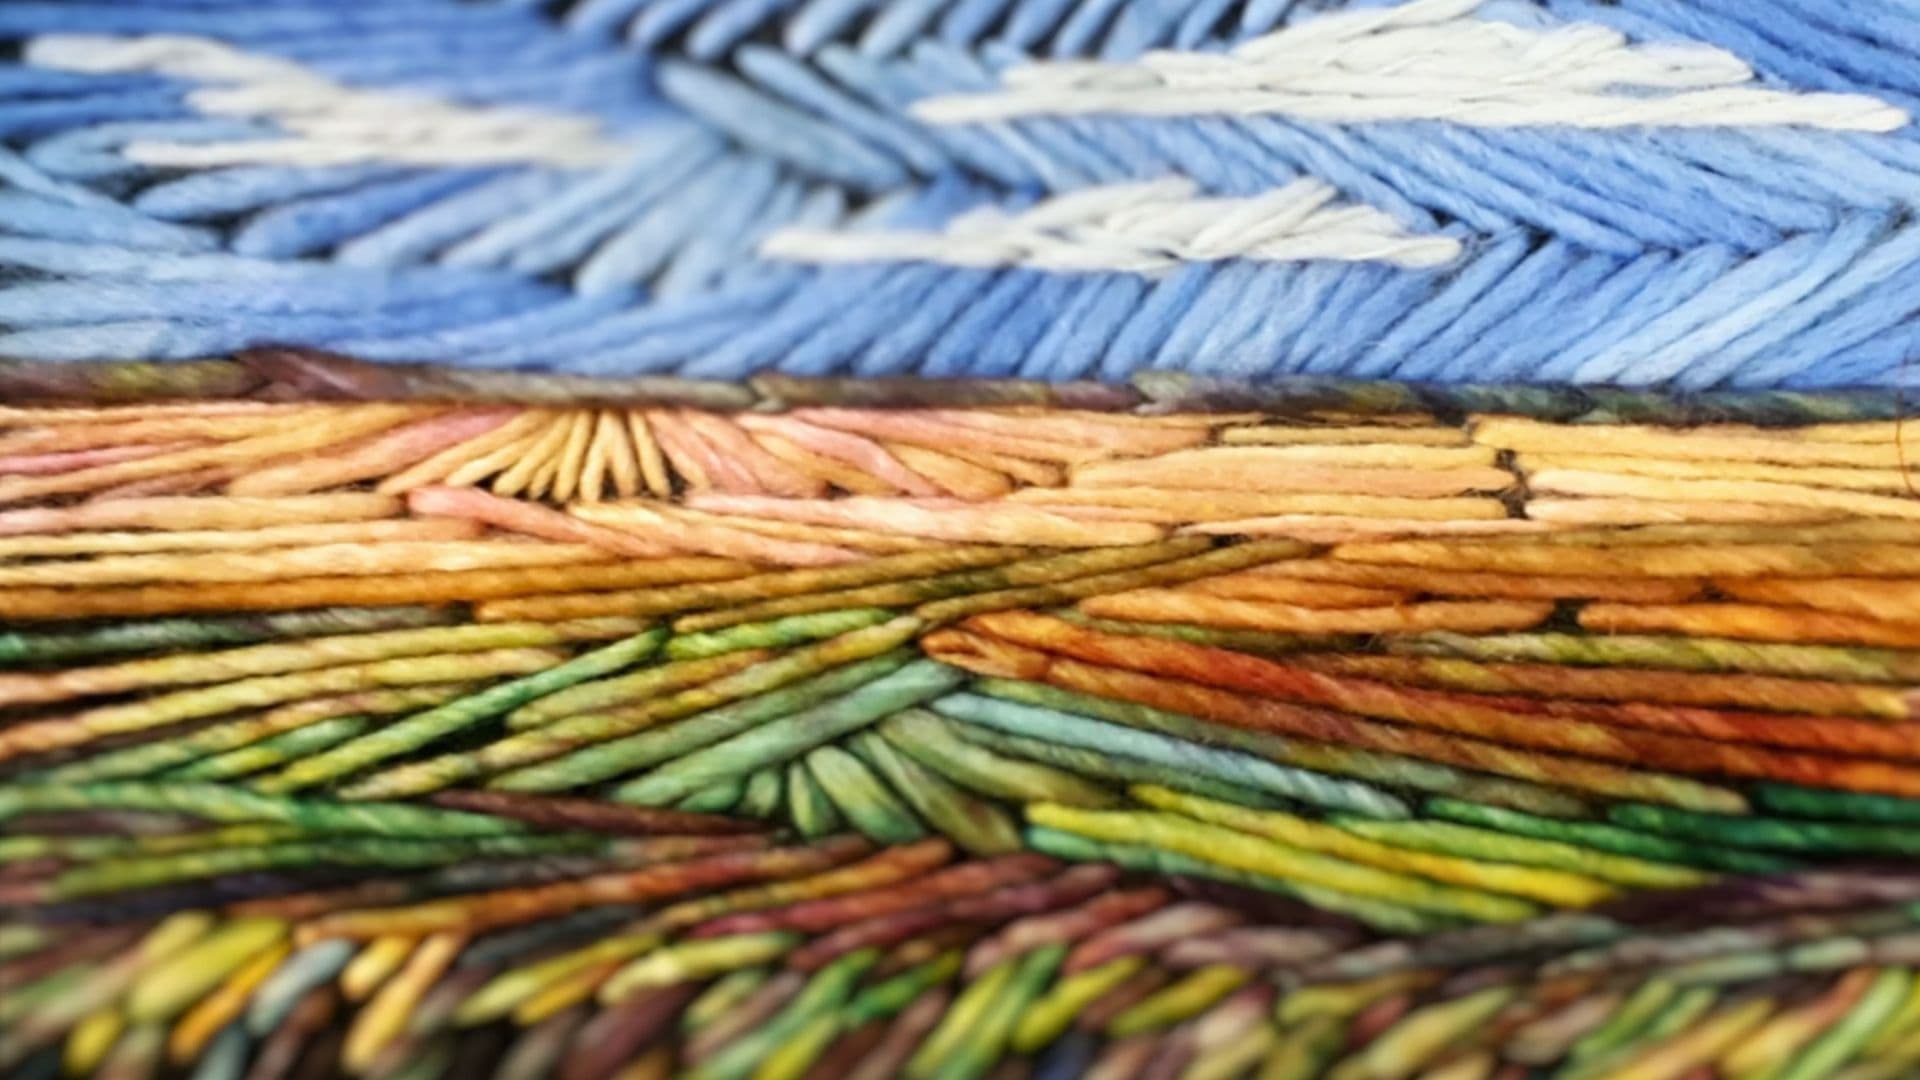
657, 728
952, 539
1700, 194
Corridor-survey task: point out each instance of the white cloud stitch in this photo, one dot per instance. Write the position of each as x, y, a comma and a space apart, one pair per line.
325, 122
1425, 60
1141, 228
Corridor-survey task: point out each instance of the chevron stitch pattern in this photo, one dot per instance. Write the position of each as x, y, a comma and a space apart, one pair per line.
959, 539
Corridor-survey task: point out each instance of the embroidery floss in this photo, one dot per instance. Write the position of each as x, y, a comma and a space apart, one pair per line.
1189, 799
958, 539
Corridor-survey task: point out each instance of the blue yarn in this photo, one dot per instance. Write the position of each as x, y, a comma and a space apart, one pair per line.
1704, 205
70, 303
1887, 359
1792, 48
1327, 330
93, 153
971, 150
601, 16
1486, 271
727, 24
820, 21
643, 177
1527, 337
642, 248
781, 74
763, 342
1487, 200
1217, 301
966, 21
27, 17
752, 208
1559, 193
957, 350
564, 84
660, 351
1032, 20
1137, 26
630, 325
1200, 151
1692, 274
1328, 323
662, 18
565, 314
1077, 351
176, 339
1061, 162
1245, 167
223, 192
1705, 356
1327, 153
1692, 257
1860, 302
427, 231
1260, 16
588, 232
897, 24
46, 218
1005, 346
896, 347
1055, 346
763, 123
470, 306
1136, 341
829, 343
1637, 356
154, 339
1863, 326
1872, 21
1200, 23
307, 226
26, 119
1439, 358
32, 82
1224, 349
1080, 34
1378, 309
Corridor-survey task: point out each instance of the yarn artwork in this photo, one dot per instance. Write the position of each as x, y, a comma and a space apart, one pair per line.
959, 539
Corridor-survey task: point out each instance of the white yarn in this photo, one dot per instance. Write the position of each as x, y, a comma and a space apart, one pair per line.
1425, 60
1140, 228
325, 123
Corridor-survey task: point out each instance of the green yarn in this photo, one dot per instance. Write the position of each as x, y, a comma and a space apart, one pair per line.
25, 648
275, 751
216, 802
117, 875
789, 736
1610, 838
932, 740
609, 759
417, 731
1770, 834
1382, 915
776, 633
977, 825
863, 798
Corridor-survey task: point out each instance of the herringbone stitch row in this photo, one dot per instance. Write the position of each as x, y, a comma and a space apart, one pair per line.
1694, 194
